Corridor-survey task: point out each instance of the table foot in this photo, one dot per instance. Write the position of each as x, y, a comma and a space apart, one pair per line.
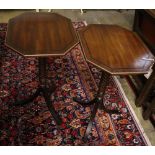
84, 103
30, 99
46, 95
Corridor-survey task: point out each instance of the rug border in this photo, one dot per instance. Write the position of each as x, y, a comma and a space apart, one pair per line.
133, 113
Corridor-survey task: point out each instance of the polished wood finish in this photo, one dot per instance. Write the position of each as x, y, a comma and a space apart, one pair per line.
40, 34
115, 49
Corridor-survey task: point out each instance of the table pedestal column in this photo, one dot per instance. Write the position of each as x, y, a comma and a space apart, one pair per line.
45, 88
97, 101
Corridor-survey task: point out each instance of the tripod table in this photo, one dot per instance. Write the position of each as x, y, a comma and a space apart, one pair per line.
41, 35
116, 51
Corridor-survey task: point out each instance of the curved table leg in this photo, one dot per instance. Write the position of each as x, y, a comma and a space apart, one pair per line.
47, 88
30, 99
91, 121
83, 103
50, 106
97, 101
100, 93
44, 88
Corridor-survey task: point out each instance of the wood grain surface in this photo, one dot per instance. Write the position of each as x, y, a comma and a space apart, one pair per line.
40, 34
115, 49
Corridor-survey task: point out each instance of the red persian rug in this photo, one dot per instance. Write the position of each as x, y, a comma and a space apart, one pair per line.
32, 124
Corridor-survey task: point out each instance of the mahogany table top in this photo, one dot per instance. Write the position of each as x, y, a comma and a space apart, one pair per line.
115, 49
40, 34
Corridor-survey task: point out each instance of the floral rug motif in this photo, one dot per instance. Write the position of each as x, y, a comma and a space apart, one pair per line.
32, 124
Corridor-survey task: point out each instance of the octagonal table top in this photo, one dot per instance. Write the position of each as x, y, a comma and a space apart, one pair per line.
40, 34
115, 49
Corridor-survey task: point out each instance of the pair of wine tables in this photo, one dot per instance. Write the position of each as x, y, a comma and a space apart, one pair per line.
116, 50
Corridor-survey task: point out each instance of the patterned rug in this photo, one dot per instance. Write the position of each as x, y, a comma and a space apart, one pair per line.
33, 124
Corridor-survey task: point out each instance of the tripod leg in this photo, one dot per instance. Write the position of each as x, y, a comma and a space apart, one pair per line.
30, 99
99, 101
51, 107
101, 91
91, 120
46, 89
83, 103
